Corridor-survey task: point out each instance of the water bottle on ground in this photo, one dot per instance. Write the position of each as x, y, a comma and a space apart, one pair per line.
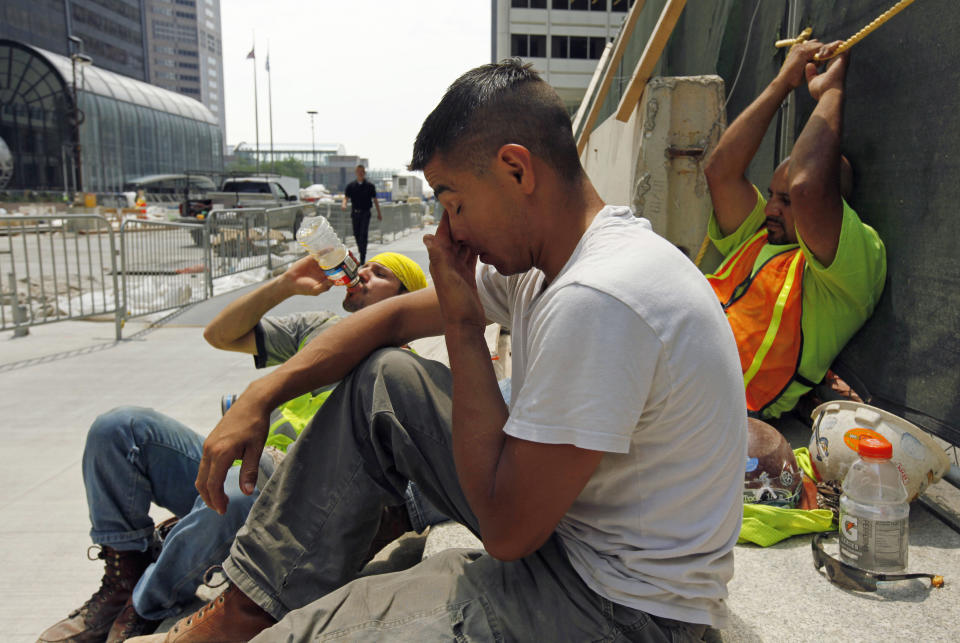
319, 239
874, 510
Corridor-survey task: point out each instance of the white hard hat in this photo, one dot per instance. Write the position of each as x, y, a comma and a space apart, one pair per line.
838, 426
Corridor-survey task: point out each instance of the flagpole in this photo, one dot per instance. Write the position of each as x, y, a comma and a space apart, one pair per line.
256, 109
273, 160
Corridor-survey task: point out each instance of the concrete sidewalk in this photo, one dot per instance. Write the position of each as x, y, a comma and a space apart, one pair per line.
59, 378
55, 382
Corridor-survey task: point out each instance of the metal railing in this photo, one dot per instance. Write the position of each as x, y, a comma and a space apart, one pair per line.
162, 266
248, 238
55, 269
397, 218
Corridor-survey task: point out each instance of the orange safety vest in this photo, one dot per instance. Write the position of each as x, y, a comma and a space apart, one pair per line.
764, 311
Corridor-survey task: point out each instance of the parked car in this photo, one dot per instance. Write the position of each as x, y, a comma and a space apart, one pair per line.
238, 193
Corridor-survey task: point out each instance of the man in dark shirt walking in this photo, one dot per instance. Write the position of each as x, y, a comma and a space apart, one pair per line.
361, 193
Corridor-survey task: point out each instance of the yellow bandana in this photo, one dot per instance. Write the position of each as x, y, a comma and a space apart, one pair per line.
405, 268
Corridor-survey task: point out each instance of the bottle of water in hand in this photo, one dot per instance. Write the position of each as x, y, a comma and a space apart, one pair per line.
874, 510
319, 239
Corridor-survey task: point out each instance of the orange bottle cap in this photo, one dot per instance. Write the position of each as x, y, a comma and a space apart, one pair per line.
875, 447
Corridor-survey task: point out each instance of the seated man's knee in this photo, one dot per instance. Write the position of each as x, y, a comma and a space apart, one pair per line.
388, 363
113, 425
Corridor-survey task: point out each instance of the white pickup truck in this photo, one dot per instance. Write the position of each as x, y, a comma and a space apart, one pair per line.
259, 192
238, 193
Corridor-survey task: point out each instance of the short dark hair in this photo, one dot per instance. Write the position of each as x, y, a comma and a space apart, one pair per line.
492, 106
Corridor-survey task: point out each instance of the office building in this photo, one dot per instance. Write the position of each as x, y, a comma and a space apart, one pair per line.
185, 50
562, 38
173, 44
72, 126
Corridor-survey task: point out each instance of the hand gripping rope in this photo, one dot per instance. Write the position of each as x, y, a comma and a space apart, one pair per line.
852, 40
844, 46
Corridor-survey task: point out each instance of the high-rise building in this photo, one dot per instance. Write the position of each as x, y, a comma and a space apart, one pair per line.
562, 38
185, 50
111, 31
174, 44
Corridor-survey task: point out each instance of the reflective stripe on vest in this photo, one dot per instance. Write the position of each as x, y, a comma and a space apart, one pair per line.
764, 311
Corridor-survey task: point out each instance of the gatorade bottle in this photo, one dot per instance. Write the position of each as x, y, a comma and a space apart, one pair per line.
874, 510
320, 240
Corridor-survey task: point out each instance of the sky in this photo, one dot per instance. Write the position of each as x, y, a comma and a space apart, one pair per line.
372, 69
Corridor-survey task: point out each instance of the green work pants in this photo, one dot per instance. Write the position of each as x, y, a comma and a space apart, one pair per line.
306, 536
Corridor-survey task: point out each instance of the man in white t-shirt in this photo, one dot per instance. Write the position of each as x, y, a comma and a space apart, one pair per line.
607, 493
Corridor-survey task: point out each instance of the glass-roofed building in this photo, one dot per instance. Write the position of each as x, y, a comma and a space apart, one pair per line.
126, 128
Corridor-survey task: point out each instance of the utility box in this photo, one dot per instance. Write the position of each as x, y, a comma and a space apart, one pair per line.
406, 186
654, 162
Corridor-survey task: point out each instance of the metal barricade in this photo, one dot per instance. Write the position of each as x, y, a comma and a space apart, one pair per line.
283, 223
56, 267
162, 265
239, 240
398, 219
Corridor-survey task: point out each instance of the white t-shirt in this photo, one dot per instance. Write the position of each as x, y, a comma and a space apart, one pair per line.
628, 352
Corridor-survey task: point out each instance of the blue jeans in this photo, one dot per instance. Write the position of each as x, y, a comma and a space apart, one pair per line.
135, 456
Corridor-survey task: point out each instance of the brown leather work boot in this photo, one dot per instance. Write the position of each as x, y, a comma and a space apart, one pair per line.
91, 622
130, 624
230, 617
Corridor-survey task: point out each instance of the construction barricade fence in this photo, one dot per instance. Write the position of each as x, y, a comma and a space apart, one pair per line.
56, 267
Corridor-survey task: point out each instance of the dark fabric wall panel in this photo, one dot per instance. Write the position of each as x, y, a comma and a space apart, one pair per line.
901, 133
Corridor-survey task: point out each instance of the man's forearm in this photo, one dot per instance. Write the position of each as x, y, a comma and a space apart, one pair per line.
815, 178
816, 154
336, 352
479, 415
240, 316
741, 140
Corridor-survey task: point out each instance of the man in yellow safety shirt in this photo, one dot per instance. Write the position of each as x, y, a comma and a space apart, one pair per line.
801, 272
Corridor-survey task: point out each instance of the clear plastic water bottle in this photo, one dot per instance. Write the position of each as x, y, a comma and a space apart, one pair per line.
874, 510
320, 240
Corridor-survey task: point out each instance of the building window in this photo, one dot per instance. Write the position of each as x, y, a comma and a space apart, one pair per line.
166, 75
528, 4
620, 5
579, 47
164, 50
528, 45
163, 62
189, 90
183, 65
186, 3
187, 53
211, 26
188, 78
575, 5
163, 11
187, 15
597, 46
212, 72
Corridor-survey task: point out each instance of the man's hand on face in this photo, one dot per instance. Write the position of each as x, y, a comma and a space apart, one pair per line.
306, 277
832, 77
797, 58
452, 266
240, 434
